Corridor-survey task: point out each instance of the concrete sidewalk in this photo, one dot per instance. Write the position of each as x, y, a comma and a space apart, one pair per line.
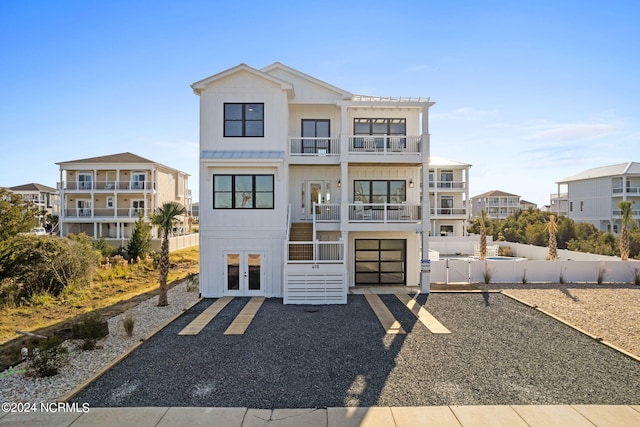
454, 416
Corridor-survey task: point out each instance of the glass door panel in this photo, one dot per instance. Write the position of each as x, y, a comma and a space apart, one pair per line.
244, 273
233, 272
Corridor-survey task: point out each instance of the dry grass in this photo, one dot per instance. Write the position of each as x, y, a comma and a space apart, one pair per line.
109, 287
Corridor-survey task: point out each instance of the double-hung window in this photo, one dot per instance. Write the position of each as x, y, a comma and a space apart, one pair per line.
243, 192
244, 120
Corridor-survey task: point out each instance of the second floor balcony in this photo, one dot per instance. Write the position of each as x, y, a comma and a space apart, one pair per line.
369, 212
367, 145
448, 212
106, 186
97, 213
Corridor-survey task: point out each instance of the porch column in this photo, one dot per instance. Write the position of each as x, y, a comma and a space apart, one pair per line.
425, 273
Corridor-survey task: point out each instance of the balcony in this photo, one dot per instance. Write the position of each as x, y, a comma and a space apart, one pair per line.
617, 213
448, 185
628, 190
384, 144
100, 213
448, 212
369, 212
106, 186
314, 147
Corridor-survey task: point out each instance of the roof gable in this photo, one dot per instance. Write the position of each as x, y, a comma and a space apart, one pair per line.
203, 84
305, 86
33, 187
112, 158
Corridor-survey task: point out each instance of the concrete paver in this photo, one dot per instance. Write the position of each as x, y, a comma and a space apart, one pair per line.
423, 315
389, 323
424, 416
360, 417
482, 416
196, 417
610, 415
551, 416
441, 416
59, 419
108, 417
245, 317
285, 417
205, 317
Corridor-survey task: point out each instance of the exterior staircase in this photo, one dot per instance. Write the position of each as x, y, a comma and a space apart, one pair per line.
301, 232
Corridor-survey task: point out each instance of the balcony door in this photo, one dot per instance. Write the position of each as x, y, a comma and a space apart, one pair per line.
316, 129
244, 273
314, 192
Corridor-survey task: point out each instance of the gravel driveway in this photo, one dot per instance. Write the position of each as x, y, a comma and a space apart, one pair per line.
499, 352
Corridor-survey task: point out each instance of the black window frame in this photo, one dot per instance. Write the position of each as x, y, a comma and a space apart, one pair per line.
254, 191
243, 120
315, 145
371, 191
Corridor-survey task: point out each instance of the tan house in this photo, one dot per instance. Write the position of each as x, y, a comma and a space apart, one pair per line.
104, 196
42, 196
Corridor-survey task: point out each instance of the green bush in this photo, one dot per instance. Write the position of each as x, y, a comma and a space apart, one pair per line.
90, 328
48, 358
37, 264
140, 242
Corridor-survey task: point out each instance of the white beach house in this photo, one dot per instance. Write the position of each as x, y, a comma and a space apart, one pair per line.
307, 189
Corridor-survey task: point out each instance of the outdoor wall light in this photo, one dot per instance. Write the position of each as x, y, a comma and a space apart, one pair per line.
339, 184
410, 183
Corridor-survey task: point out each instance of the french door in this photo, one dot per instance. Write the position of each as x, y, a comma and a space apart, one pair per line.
244, 273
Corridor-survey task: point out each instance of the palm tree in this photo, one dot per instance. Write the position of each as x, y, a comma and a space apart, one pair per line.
626, 218
483, 235
552, 226
165, 218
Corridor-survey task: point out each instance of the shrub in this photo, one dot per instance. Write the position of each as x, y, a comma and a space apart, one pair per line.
487, 275
48, 358
46, 264
128, 322
524, 277
636, 276
193, 282
90, 329
140, 242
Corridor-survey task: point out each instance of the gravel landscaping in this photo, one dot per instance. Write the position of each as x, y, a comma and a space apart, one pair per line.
499, 352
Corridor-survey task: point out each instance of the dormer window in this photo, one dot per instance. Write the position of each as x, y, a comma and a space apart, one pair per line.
243, 120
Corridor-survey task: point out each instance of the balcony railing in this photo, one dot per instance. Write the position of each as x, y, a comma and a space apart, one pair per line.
384, 212
103, 212
448, 185
316, 252
384, 144
107, 185
314, 146
448, 211
325, 212
628, 190
617, 213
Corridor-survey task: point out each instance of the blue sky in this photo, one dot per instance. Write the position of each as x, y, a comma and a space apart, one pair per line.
528, 92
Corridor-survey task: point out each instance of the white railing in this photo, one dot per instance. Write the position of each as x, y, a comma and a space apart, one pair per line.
448, 211
314, 146
453, 185
384, 212
315, 252
617, 213
631, 190
326, 212
107, 185
103, 213
383, 144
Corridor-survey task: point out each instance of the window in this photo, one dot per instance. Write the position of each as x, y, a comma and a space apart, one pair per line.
581, 206
379, 127
243, 192
570, 206
244, 120
316, 128
379, 191
138, 180
109, 202
446, 205
446, 179
84, 180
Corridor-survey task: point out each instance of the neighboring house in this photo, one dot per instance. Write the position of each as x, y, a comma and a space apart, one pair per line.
103, 196
448, 196
307, 189
497, 204
593, 195
525, 205
559, 204
43, 197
